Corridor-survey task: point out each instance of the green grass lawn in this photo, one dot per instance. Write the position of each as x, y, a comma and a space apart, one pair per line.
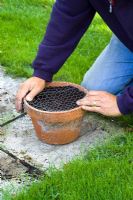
23, 24
105, 173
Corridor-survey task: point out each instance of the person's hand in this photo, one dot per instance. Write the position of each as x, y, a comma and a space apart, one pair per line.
32, 86
100, 102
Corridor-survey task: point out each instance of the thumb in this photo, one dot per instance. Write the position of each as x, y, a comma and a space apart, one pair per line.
32, 94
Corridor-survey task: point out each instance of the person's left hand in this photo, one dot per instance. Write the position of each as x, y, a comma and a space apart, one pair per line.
100, 102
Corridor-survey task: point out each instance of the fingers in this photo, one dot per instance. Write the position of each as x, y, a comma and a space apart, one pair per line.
93, 98
29, 89
100, 102
90, 101
19, 97
33, 93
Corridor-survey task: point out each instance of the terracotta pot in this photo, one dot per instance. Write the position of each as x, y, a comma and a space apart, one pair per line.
57, 127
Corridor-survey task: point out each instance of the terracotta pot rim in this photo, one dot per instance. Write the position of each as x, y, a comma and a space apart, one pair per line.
58, 112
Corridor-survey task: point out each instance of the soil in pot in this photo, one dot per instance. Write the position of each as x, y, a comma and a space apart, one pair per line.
59, 98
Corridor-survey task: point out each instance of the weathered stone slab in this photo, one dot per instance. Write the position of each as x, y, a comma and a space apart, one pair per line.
20, 139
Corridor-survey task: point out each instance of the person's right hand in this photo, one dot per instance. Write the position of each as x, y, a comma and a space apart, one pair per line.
32, 86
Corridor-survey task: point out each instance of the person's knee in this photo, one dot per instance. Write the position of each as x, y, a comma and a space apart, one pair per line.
89, 82
98, 84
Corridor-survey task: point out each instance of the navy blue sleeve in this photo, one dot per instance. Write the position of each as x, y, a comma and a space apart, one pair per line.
125, 101
69, 20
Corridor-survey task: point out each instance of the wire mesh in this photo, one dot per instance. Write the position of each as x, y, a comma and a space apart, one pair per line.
60, 98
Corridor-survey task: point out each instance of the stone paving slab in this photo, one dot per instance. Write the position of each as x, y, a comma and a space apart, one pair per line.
25, 145
20, 139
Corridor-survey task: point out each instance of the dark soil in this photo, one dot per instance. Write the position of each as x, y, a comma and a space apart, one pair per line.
12, 167
57, 98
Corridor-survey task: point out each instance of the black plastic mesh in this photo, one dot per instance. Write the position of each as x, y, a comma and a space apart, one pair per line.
57, 98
